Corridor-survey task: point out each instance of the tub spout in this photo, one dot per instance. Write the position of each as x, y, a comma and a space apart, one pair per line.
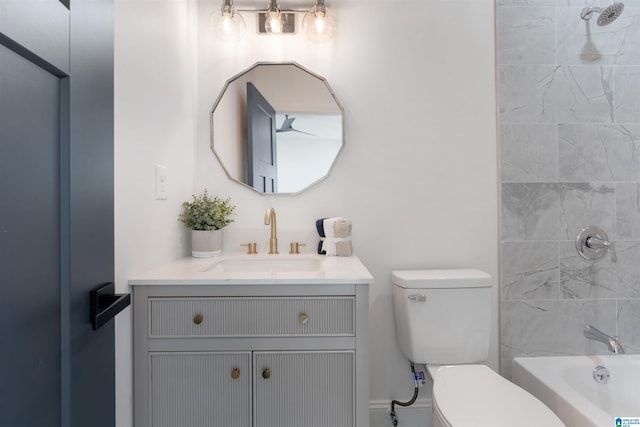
612, 343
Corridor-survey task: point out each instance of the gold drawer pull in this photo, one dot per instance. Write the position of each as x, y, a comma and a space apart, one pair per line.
235, 374
303, 318
198, 318
266, 373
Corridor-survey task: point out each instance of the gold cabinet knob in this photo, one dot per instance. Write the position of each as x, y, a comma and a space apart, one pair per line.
235, 374
266, 373
198, 318
303, 318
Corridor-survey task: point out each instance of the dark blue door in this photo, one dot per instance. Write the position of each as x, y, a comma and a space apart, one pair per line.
261, 155
29, 242
56, 212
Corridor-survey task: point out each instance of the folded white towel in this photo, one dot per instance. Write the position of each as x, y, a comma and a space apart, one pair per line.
338, 236
333, 245
329, 226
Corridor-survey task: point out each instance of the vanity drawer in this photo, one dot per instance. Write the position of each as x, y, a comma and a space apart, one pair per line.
251, 317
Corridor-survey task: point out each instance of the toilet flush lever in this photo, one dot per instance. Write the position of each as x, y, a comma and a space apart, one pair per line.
417, 297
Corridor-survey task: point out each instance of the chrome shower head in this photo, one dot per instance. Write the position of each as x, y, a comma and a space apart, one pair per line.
607, 15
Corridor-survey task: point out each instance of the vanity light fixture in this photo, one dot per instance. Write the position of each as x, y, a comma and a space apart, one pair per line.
274, 21
227, 23
318, 23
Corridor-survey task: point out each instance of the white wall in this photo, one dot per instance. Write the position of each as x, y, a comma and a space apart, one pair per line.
418, 174
155, 114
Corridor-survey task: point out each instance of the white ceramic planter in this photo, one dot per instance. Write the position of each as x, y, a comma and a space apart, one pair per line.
206, 243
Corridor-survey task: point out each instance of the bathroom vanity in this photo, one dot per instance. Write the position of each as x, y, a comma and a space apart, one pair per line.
262, 341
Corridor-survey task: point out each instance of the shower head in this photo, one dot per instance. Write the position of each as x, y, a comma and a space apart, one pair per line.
607, 15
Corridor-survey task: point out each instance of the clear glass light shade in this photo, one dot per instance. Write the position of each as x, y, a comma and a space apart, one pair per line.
227, 24
319, 24
273, 24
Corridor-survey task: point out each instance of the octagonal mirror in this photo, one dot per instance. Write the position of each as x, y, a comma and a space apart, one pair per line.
277, 128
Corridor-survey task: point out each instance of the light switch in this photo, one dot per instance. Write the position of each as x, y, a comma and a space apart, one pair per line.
161, 182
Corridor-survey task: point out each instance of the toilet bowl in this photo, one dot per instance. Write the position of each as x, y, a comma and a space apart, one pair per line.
443, 320
476, 396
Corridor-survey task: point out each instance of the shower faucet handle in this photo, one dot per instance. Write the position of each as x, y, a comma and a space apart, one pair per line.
612, 247
595, 242
592, 243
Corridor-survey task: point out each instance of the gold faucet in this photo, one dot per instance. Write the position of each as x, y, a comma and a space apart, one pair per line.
270, 218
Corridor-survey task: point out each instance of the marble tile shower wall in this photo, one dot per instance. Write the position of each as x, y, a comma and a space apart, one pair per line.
569, 109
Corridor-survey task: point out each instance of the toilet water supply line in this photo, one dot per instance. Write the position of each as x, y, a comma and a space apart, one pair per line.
392, 414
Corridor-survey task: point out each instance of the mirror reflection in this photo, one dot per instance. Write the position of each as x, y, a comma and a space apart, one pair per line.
277, 128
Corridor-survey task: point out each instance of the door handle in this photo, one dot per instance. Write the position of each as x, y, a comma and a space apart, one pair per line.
105, 304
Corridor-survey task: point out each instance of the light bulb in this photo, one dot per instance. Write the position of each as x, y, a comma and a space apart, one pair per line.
227, 24
318, 24
273, 24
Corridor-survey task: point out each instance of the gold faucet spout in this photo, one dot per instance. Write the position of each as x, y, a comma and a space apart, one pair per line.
270, 219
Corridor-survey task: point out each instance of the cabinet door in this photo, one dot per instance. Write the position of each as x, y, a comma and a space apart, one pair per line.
310, 388
200, 389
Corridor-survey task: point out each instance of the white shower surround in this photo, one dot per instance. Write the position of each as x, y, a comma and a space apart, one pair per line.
570, 157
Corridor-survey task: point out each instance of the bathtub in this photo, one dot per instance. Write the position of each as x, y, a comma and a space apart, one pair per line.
566, 384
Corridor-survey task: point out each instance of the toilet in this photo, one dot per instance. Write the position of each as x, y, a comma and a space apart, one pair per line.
443, 320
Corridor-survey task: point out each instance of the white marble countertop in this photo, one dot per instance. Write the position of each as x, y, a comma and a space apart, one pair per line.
245, 269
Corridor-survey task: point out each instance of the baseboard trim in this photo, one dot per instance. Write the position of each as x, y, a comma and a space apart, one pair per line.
416, 415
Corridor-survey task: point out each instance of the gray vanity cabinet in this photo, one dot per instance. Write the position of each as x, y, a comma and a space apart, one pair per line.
251, 355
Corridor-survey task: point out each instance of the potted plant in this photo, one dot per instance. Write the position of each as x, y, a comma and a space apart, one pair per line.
206, 216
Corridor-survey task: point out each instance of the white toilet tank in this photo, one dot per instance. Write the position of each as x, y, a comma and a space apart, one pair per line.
443, 316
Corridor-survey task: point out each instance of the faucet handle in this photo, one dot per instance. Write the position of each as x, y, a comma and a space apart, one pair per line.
592, 243
612, 247
251, 248
295, 246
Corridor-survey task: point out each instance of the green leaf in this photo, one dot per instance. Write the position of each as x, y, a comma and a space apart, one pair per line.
206, 213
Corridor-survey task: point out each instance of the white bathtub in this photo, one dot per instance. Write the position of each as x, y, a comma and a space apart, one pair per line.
567, 386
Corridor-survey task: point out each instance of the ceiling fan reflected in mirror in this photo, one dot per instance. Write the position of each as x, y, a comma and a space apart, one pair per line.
287, 126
